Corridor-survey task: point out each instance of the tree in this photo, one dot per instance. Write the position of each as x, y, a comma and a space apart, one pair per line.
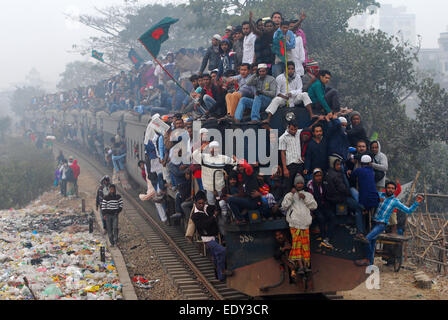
34, 79
432, 113
121, 26
22, 96
81, 74
5, 124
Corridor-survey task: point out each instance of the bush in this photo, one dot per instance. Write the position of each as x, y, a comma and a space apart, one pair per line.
25, 172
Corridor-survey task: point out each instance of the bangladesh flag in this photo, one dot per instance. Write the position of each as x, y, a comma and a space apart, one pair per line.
154, 37
97, 55
279, 46
135, 58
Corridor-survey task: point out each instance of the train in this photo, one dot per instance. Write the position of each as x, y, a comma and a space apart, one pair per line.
251, 249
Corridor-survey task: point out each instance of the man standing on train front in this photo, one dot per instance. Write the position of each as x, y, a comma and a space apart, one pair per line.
388, 203
206, 222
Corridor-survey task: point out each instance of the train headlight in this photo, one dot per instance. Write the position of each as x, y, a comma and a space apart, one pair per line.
290, 116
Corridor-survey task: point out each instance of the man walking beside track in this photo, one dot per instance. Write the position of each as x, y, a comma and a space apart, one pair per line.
76, 172
111, 206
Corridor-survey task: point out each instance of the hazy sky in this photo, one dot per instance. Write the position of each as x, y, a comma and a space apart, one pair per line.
34, 33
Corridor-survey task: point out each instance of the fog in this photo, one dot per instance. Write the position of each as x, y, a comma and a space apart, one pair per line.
35, 34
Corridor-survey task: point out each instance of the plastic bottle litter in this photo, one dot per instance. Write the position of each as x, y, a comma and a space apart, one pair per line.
58, 262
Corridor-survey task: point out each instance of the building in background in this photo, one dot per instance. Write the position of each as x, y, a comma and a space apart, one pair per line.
392, 20
435, 61
395, 21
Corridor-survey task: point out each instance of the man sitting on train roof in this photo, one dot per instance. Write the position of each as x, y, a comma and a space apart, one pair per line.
205, 219
266, 89
212, 97
323, 96
388, 203
288, 92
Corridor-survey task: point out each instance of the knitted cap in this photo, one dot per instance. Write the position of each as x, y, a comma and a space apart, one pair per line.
299, 179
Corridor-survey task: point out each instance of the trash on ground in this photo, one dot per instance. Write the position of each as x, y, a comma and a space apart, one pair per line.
55, 252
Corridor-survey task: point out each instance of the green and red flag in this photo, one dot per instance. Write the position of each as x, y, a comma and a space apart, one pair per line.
97, 55
135, 58
279, 45
153, 38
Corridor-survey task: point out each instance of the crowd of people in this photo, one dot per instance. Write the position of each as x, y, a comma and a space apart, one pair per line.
66, 175
326, 170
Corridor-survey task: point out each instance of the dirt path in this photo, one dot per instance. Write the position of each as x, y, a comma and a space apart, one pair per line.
400, 286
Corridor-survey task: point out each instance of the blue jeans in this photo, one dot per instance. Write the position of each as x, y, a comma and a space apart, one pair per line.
237, 204
219, 256
118, 162
355, 194
257, 104
199, 180
159, 110
372, 236
352, 204
209, 102
278, 69
158, 181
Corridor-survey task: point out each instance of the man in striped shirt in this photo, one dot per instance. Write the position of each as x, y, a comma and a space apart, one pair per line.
111, 206
291, 154
388, 203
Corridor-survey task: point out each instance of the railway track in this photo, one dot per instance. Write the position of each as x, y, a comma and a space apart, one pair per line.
193, 273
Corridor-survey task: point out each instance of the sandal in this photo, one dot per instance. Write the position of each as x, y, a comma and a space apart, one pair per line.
361, 263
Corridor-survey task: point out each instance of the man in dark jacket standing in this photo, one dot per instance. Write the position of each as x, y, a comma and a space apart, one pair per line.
111, 206
324, 214
205, 220
316, 153
212, 56
338, 192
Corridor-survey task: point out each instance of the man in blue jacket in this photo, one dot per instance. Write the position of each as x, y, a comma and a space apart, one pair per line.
388, 203
337, 137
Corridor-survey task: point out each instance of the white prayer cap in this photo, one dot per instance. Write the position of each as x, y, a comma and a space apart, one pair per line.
203, 130
214, 144
342, 119
217, 37
229, 28
262, 65
366, 159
